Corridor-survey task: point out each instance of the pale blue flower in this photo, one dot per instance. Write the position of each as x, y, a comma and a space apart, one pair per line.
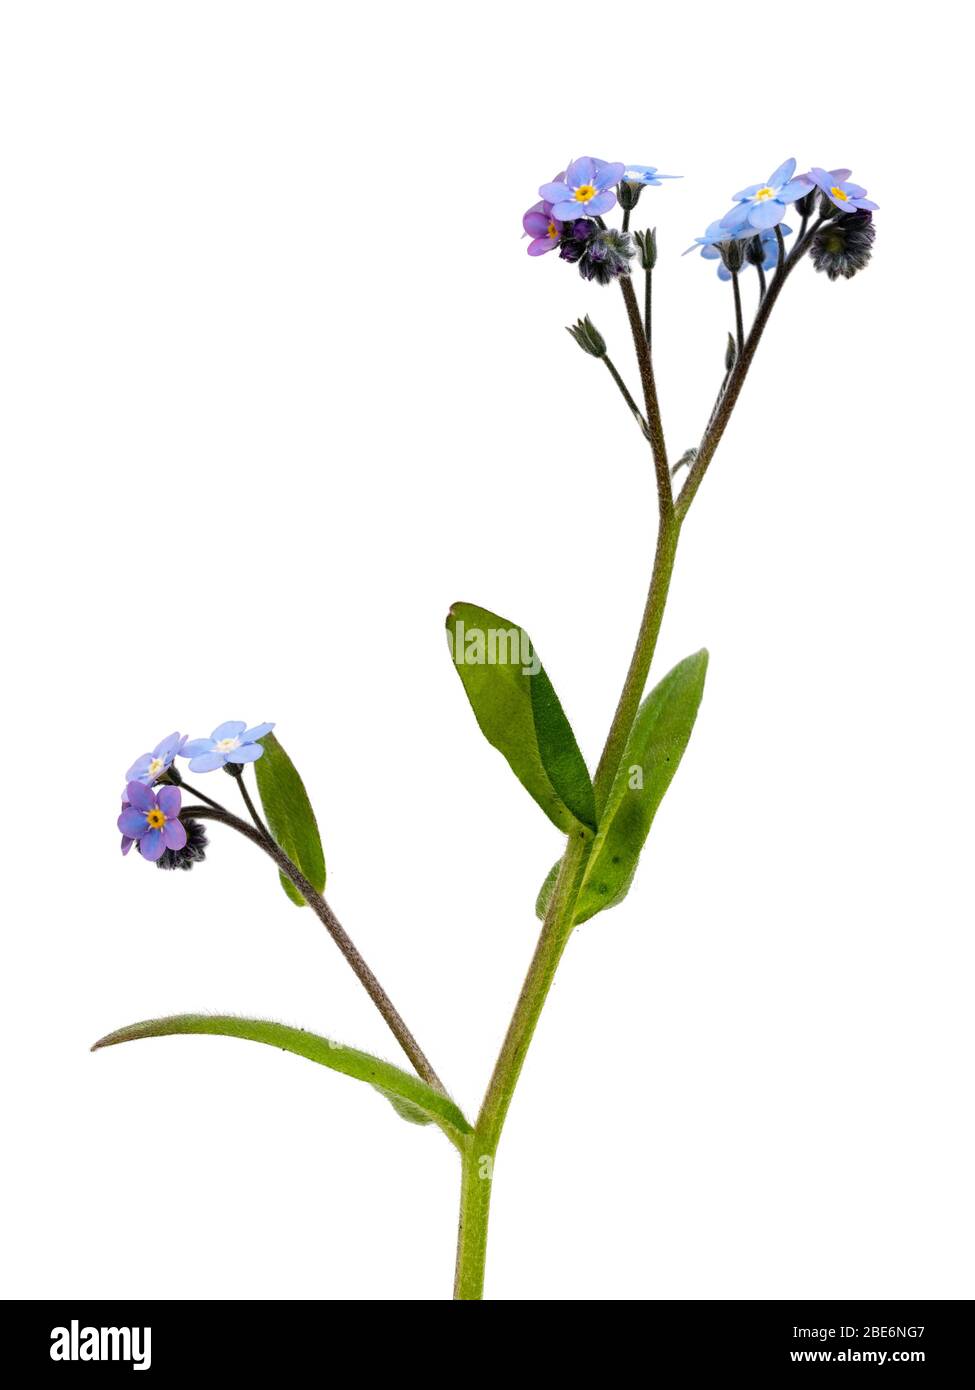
763, 205
232, 742
646, 174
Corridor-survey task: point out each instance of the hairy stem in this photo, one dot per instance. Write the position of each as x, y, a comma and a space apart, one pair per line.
625, 393
253, 811
335, 929
665, 497
478, 1168
739, 322
648, 309
736, 378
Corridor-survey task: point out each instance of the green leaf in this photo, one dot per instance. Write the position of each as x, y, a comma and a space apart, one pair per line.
652, 755
290, 817
519, 714
412, 1098
546, 890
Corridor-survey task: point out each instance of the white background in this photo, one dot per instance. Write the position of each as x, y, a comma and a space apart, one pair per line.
280, 383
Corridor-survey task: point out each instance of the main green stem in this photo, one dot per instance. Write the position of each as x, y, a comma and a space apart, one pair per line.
479, 1153
478, 1160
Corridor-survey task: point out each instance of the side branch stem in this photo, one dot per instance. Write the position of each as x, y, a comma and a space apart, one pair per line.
335, 930
665, 496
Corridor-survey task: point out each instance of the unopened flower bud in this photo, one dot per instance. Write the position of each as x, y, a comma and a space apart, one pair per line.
587, 335
646, 243
754, 251
806, 205
628, 194
844, 245
732, 254
193, 852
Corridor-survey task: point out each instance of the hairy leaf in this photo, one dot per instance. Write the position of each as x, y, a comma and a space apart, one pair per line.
652, 755
412, 1098
519, 713
290, 817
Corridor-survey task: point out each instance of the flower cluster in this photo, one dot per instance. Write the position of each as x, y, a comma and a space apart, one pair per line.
570, 215
759, 210
150, 819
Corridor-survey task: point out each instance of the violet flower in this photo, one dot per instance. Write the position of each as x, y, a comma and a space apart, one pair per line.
585, 188
152, 819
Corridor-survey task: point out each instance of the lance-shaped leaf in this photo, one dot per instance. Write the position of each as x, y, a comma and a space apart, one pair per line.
410, 1097
290, 817
519, 714
653, 752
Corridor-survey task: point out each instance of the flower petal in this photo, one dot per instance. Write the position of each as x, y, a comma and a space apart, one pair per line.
737, 217
535, 223
782, 174
766, 214
140, 796
152, 845
132, 822
555, 192
249, 753
169, 799
541, 244
601, 203
195, 746
798, 188
565, 212
127, 843
139, 769
258, 731
166, 745
608, 174
748, 192
580, 171
207, 762
174, 834
230, 729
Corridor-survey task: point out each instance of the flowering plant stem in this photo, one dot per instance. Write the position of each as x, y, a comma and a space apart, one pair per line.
480, 1147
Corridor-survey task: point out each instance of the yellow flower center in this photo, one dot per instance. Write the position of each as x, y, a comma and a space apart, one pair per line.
155, 819
226, 745
553, 231
156, 766
764, 194
838, 193
584, 193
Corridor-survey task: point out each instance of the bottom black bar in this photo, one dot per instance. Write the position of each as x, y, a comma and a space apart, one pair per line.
758, 1340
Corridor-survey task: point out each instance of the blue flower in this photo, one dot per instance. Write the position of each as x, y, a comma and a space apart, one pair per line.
848, 197
646, 174
769, 245
151, 766
152, 819
717, 233
232, 742
763, 205
583, 190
